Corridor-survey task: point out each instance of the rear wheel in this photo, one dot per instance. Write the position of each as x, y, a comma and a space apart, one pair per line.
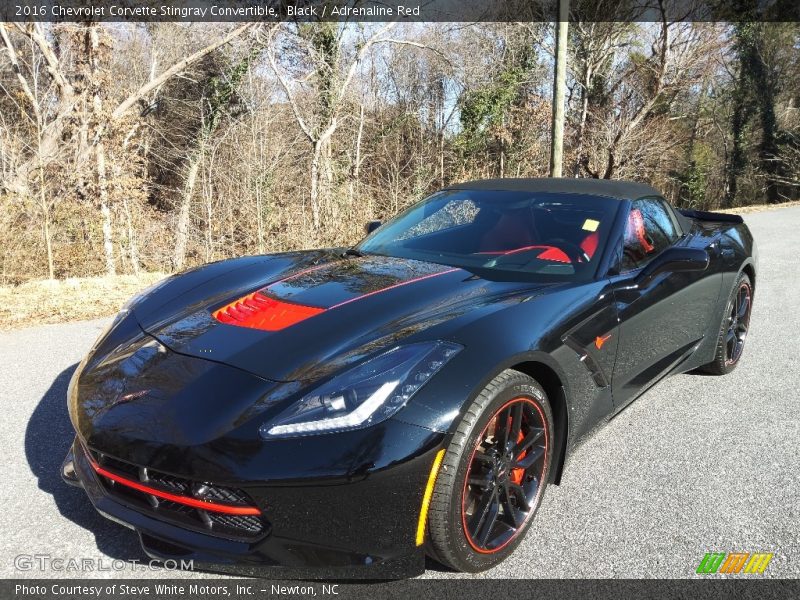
734, 329
493, 475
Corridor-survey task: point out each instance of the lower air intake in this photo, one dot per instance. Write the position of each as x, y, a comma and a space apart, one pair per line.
231, 526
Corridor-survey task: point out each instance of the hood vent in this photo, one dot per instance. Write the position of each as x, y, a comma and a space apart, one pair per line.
259, 311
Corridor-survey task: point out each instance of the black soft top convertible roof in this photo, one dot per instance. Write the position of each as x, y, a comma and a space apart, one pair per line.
621, 190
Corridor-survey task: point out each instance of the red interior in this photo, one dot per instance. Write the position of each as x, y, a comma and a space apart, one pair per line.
553, 253
548, 252
589, 244
635, 230
512, 234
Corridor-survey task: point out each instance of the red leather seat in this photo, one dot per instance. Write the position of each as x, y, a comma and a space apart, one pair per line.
589, 244
635, 232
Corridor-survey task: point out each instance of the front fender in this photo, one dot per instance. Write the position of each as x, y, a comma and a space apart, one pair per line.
526, 336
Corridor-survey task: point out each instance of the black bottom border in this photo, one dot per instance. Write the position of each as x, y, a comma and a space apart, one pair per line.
251, 589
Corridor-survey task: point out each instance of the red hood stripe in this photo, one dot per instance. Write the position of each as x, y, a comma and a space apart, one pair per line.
391, 287
261, 311
298, 274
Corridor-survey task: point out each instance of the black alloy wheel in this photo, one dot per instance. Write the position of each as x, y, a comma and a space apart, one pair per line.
493, 475
504, 476
734, 328
738, 323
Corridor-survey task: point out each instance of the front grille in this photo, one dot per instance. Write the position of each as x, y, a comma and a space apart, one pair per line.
118, 466
219, 524
168, 483
241, 522
223, 494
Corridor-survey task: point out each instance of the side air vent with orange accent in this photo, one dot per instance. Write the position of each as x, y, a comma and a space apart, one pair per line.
259, 311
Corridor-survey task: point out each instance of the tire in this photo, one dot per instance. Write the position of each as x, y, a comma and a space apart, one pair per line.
724, 361
458, 534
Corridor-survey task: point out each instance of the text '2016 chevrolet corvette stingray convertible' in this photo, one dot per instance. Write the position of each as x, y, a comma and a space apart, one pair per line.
352, 410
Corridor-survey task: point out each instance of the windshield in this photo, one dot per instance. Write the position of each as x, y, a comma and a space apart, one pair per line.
552, 236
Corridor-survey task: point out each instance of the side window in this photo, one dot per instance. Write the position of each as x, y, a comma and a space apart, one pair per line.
650, 229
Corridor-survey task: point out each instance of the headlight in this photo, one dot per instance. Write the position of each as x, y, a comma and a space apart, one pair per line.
367, 394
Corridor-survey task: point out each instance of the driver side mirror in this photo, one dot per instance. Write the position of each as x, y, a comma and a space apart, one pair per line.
371, 226
673, 260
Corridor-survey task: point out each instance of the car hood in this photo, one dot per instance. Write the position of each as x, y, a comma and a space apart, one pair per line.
322, 311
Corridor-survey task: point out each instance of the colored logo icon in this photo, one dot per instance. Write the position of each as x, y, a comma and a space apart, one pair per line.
734, 562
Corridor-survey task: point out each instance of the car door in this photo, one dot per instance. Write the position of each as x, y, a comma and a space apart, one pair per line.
660, 322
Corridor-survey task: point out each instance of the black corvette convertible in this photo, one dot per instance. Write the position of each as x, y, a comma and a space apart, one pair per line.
356, 409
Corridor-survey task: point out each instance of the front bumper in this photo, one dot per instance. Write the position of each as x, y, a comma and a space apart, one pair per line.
358, 529
328, 504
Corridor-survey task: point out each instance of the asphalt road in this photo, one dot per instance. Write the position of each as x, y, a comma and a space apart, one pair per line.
697, 464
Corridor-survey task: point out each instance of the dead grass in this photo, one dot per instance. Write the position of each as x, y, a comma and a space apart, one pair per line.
743, 210
75, 299
48, 301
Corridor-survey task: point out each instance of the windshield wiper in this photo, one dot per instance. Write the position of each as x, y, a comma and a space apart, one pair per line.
352, 252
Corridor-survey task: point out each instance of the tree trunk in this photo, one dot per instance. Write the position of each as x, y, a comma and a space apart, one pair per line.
559, 85
258, 146
739, 119
259, 221
355, 181
768, 149
441, 157
48, 239
579, 154
315, 181
105, 210
208, 196
133, 250
100, 154
184, 212
502, 158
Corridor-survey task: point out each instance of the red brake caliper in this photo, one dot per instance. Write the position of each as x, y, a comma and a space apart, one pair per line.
517, 474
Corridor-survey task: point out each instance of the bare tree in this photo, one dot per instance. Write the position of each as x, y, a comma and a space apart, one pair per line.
56, 134
646, 84
154, 147
333, 73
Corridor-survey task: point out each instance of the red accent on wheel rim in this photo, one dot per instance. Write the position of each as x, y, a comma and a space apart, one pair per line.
505, 476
